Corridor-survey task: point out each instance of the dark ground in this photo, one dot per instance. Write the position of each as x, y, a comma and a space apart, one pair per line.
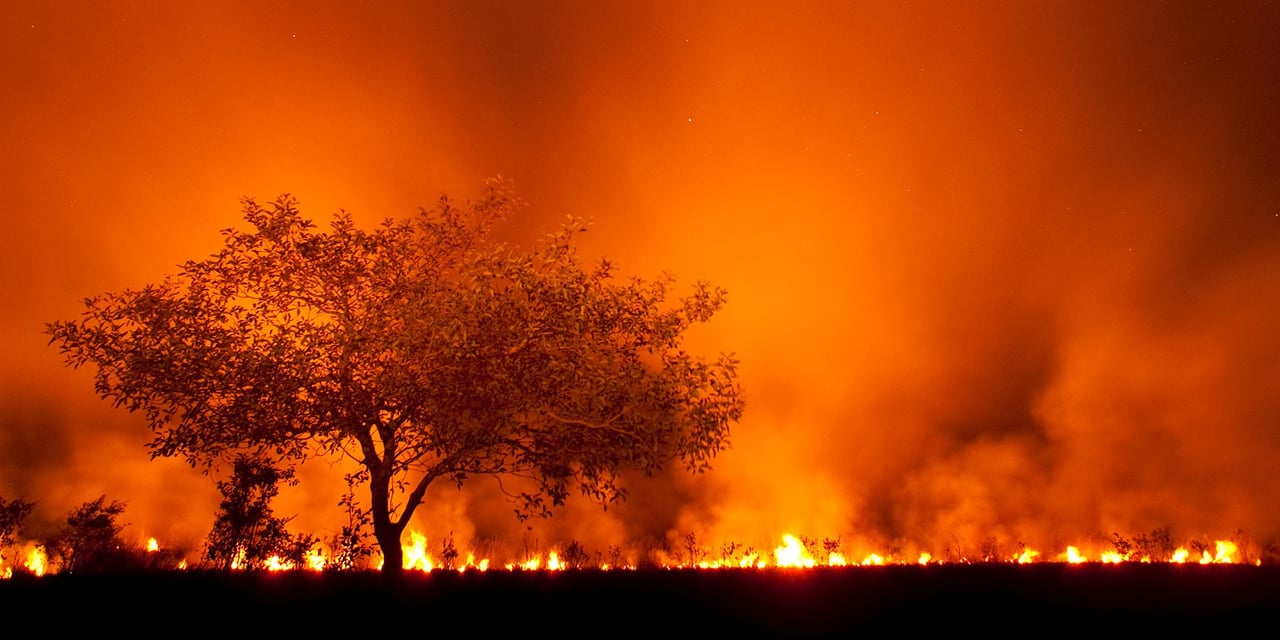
826, 601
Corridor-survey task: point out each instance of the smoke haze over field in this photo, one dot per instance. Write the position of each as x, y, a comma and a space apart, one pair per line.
995, 268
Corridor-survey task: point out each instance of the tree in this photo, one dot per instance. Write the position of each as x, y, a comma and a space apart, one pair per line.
13, 514
350, 547
246, 531
424, 350
91, 540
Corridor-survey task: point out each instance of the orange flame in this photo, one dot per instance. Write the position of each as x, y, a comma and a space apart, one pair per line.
1112, 557
36, 561
415, 554
792, 554
1073, 556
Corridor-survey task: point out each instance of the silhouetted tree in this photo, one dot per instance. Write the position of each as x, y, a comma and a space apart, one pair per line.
422, 349
351, 547
246, 531
575, 555
91, 540
1157, 546
13, 514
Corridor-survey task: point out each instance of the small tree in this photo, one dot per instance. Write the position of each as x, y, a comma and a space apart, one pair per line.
91, 540
12, 516
423, 350
351, 547
246, 532
575, 555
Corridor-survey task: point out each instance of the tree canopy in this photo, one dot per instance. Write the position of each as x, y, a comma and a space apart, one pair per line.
423, 349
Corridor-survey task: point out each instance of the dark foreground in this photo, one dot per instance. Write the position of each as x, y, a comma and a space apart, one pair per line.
1030, 599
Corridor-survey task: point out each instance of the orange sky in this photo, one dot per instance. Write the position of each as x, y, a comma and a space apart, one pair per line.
1003, 268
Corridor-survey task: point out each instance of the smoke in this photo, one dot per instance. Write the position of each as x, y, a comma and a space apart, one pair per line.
994, 270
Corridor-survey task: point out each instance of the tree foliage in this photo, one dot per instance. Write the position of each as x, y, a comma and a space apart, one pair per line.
422, 349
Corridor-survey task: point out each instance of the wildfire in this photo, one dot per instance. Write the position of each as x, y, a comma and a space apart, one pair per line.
36, 561
1224, 553
316, 561
553, 562
415, 555
471, 563
793, 552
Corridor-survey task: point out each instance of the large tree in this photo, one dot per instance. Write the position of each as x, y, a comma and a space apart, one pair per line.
422, 349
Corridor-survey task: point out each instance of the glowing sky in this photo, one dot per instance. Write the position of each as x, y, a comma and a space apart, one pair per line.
1008, 267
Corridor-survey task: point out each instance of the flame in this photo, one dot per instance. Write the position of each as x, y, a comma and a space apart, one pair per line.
316, 561
238, 561
415, 554
1073, 556
36, 561
1111, 557
791, 553
1224, 553
471, 563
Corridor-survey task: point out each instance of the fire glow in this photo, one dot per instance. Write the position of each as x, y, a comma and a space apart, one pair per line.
792, 553
965, 305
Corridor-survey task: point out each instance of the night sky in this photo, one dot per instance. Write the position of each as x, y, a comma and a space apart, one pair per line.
994, 268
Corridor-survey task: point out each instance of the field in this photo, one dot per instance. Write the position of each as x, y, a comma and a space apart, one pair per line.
824, 601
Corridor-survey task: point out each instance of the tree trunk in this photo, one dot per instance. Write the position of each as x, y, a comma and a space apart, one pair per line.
386, 532
392, 553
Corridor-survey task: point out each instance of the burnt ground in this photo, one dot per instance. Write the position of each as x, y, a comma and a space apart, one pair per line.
821, 602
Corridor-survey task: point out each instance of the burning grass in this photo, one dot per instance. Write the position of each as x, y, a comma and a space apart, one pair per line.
792, 553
